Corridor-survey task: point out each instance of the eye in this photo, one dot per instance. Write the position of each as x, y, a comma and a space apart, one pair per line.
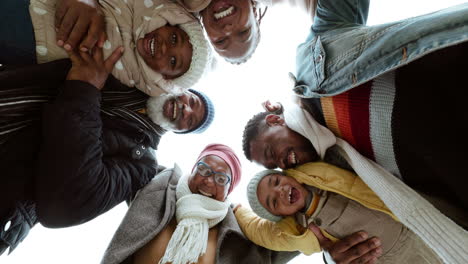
220, 41
244, 32
190, 123
173, 39
173, 61
221, 179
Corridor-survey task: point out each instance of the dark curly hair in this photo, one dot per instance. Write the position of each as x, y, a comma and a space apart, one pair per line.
253, 128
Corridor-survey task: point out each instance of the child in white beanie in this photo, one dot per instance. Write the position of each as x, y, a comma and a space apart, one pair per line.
333, 199
165, 50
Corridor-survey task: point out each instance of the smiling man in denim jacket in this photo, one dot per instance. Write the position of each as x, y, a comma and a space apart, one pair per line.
395, 91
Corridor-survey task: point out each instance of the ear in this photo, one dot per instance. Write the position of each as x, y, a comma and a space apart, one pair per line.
274, 120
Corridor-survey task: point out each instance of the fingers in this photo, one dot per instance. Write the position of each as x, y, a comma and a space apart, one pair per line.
74, 57
350, 241
102, 39
79, 30
357, 253
325, 243
66, 26
96, 28
368, 258
113, 58
98, 55
60, 13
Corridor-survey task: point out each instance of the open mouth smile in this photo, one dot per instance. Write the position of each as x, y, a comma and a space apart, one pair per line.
205, 193
223, 12
293, 195
292, 159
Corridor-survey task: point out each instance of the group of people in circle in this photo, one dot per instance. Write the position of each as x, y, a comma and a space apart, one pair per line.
366, 164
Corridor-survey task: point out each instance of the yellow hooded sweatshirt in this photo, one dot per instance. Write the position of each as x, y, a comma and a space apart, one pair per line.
287, 235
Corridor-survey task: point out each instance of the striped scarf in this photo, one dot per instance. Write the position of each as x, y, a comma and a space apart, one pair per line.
21, 101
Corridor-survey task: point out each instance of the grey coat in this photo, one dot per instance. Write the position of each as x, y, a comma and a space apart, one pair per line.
154, 207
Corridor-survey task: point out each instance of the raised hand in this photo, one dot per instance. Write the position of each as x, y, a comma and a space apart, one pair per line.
79, 22
92, 68
272, 107
353, 249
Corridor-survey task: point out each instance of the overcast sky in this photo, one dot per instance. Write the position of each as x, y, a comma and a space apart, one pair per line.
237, 92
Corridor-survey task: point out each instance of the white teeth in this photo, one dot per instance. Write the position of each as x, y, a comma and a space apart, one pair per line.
205, 194
224, 13
152, 46
290, 194
293, 158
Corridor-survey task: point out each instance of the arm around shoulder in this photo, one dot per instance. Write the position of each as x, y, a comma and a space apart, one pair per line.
280, 236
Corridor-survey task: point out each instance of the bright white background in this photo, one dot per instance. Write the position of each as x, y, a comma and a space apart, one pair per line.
237, 92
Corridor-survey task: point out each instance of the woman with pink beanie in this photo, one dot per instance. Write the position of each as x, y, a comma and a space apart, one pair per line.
186, 218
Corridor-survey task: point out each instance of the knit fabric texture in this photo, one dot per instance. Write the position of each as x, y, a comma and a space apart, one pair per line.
201, 56
229, 156
195, 215
207, 118
363, 117
445, 237
255, 204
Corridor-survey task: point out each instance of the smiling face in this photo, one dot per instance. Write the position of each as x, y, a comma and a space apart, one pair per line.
279, 146
186, 111
177, 113
166, 50
281, 195
206, 185
231, 27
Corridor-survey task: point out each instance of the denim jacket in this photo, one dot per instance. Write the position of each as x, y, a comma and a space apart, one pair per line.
341, 52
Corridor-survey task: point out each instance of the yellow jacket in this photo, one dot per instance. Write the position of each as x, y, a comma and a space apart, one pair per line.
287, 235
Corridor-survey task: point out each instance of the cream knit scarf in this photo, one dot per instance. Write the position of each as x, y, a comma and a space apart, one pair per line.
445, 237
195, 215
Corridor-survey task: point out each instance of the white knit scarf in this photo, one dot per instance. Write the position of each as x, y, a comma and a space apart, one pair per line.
195, 215
445, 237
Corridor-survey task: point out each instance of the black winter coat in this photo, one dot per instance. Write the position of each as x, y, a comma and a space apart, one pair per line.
71, 166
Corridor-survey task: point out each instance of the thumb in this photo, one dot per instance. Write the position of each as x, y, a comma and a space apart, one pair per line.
325, 243
74, 57
113, 58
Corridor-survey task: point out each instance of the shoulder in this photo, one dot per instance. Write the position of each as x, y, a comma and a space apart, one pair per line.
167, 178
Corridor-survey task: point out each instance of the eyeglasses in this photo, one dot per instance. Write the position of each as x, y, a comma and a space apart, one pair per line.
220, 178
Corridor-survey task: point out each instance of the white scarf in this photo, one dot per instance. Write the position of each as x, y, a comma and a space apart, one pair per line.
445, 237
195, 215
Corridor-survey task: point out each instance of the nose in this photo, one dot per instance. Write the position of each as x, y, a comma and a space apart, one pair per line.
163, 47
209, 181
279, 192
227, 29
187, 110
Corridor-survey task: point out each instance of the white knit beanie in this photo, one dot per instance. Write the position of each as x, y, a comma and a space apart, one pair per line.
201, 55
253, 198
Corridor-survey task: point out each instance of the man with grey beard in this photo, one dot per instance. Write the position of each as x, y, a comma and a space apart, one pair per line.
83, 145
189, 112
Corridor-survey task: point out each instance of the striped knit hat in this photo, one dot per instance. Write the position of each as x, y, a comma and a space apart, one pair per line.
207, 118
255, 204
